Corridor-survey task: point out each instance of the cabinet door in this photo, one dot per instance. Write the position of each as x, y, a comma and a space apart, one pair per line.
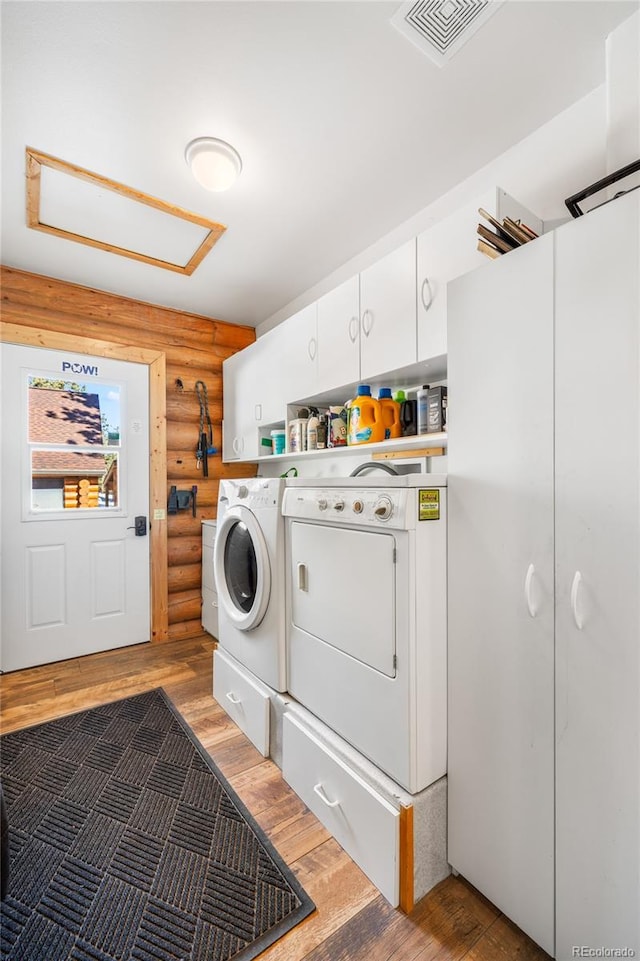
445, 251
242, 410
297, 339
500, 584
598, 575
270, 399
339, 336
388, 313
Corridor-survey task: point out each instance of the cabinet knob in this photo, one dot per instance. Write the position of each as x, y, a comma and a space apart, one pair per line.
367, 322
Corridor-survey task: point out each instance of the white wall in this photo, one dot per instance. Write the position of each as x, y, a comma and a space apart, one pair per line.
555, 161
623, 94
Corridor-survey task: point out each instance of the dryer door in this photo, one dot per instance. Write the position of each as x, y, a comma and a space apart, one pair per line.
242, 569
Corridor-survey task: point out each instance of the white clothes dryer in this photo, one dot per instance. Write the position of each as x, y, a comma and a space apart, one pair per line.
248, 566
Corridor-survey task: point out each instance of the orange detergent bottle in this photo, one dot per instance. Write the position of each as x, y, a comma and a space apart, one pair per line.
366, 425
390, 413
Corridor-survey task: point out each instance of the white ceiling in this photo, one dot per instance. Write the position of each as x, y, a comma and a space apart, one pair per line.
345, 128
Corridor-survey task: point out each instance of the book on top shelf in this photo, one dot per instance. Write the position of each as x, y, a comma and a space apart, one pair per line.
487, 249
504, 246
508, 235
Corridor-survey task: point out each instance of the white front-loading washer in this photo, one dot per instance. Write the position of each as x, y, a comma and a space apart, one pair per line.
248, 566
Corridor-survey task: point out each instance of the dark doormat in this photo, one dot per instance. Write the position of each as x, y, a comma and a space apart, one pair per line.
128, 843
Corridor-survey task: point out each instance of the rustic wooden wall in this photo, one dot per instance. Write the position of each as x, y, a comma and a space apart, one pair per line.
194, 347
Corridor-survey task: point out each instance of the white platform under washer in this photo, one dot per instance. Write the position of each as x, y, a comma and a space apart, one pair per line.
366, 615
248, 564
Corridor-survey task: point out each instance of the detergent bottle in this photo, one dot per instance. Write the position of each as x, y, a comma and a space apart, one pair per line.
390, 413
366, 425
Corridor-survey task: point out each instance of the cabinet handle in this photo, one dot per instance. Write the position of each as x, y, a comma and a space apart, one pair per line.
236, 445
575, 587
258, 411
312, 348
426, 304
230, 696
353, 329
302, 577
366, 328
319, 790
528, 583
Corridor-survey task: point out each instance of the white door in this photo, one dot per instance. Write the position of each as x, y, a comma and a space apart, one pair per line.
500, 586
598, 574
75, 476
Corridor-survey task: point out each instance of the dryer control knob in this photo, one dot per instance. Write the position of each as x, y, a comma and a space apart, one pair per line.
338, 506
358, 507
322, 503
383, 509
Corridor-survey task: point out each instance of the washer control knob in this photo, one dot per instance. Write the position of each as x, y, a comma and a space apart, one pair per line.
339, 505
358, 507
243, 490
322, 503
383, 509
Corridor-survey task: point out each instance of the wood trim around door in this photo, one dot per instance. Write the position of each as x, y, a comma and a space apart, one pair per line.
155, 360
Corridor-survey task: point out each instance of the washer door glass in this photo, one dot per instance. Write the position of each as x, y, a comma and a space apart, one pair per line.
241, 567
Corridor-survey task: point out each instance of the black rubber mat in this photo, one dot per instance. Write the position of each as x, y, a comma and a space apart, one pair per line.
128, 844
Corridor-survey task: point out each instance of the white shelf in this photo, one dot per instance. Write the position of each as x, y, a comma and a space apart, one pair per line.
396, 445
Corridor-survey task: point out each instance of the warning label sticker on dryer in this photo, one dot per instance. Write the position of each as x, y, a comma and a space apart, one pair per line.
428, 505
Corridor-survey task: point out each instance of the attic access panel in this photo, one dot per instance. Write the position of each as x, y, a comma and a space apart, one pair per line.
55, 208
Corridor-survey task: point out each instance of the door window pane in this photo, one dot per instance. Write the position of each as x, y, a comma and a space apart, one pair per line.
74, 437
64, 412
73, 479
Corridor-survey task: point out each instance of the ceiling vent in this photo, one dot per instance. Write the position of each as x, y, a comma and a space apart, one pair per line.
441, 27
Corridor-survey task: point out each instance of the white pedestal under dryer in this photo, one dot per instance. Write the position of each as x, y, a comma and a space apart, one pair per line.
248, 565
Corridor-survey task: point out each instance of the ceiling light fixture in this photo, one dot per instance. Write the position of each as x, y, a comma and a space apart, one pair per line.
214, 163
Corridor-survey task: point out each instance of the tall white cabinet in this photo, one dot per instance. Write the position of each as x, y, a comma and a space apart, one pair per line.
500, 753
598, 579
544, 577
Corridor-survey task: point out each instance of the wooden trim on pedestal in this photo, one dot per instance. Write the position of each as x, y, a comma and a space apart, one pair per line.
407, 901
155, 360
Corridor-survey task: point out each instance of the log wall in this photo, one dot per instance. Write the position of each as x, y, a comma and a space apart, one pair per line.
194, 347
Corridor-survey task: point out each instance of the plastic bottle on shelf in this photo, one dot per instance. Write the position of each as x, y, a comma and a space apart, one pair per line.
322, 432
312, 429
366, 425
423, 409
390, 413
298, 432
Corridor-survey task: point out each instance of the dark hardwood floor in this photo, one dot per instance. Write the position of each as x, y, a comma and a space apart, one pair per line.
353, 922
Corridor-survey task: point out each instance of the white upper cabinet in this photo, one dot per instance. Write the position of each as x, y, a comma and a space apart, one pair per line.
388, 313
339, 336
297, 360
445, 251
242, 409
253, 396
448, 250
